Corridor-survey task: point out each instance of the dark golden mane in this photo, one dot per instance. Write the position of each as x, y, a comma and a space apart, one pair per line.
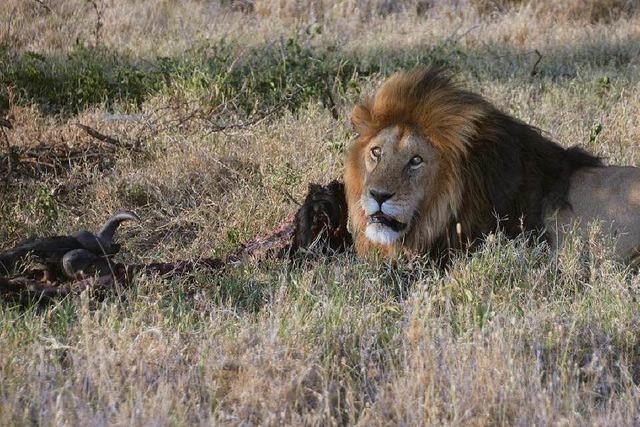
427, 97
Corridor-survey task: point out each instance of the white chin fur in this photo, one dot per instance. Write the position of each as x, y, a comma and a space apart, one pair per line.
381, 234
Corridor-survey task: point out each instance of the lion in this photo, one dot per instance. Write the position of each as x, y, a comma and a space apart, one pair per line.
436, 167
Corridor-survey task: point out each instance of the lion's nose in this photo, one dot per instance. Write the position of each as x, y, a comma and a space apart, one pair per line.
380, 196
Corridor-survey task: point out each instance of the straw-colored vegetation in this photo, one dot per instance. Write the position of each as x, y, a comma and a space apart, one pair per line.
222, 107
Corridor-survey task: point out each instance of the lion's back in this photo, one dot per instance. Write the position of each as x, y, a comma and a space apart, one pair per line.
608, 195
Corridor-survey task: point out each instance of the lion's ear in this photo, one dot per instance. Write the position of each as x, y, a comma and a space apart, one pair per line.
360, 119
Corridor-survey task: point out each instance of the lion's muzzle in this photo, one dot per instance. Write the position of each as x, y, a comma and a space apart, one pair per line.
384, 224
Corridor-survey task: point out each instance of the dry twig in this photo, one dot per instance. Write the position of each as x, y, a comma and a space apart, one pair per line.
534, 70
99, 24
106, 138
4, 123
44, 5
99, 136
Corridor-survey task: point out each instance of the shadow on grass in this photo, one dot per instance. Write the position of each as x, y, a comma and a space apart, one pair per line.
289, 74
262, 79
68, 84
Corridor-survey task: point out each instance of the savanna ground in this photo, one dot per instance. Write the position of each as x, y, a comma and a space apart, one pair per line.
221, 110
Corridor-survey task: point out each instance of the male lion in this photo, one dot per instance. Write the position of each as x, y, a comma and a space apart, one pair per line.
437, 167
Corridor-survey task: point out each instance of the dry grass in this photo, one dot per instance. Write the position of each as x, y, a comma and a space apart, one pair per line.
578, 11
512, 335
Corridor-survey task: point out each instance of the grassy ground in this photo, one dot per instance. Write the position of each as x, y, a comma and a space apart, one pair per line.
221, 109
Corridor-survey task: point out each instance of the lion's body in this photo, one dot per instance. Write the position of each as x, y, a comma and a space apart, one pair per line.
437, 167
609, 196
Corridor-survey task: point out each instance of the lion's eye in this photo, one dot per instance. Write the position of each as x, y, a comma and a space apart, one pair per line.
376, 152
415, 161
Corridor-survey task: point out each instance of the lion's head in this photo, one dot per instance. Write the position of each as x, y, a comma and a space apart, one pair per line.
402, 173
434, 163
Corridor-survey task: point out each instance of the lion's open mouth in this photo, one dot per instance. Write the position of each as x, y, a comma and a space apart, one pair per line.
387, 221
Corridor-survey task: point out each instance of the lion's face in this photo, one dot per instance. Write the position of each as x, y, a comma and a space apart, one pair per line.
404, 173
400, 169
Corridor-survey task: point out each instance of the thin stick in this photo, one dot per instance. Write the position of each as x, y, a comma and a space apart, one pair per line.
105, 138
43, 4
8, 144
534, 70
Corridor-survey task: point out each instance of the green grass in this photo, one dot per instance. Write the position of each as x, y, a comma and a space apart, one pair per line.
253, 81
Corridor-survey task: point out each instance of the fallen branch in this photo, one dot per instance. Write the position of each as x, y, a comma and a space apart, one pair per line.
100, 136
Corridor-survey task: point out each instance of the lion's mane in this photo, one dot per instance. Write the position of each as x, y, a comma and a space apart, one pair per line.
497, 172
